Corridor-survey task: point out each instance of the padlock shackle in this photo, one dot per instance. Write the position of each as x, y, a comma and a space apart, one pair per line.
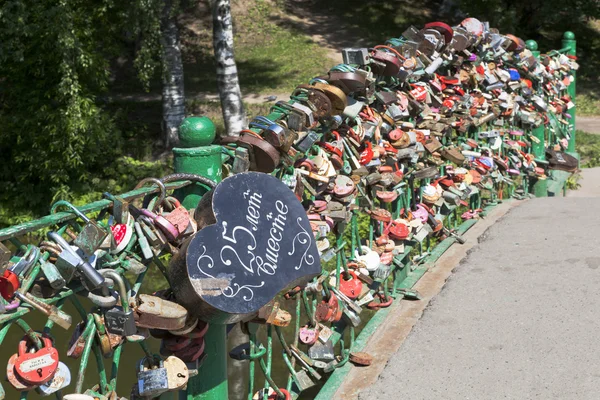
27, 261
75, 210
90, 272
120, 282
161, 186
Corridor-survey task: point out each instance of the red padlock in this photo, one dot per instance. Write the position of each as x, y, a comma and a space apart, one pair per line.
367, 154
351, 287
39, 367
179, 216
397, 230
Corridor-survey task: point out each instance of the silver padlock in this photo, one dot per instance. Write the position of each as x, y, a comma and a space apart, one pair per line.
152, 382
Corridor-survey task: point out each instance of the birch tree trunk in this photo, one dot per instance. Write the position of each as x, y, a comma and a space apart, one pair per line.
173, 97
227, 76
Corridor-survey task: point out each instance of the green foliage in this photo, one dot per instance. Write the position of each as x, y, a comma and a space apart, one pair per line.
573, 182
57, 140
588, 104
588, 147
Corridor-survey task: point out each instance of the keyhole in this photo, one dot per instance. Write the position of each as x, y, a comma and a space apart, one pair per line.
180, 375
39, 371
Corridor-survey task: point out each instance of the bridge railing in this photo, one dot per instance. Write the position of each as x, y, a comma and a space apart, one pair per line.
394, 155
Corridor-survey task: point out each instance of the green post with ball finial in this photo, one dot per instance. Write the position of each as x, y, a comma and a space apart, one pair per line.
197, 155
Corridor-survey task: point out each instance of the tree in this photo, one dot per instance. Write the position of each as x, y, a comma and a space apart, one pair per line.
227, 76
173, 97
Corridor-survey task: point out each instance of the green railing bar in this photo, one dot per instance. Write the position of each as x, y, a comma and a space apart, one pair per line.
53, 219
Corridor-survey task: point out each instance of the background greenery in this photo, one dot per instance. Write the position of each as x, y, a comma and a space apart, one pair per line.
80, 80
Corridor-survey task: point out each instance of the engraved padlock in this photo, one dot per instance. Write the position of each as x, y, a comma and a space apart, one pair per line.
119, 320
152, 381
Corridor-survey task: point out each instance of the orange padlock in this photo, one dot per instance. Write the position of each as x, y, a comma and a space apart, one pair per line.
352, 286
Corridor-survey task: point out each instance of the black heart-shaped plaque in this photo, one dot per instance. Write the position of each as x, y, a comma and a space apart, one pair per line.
260, 244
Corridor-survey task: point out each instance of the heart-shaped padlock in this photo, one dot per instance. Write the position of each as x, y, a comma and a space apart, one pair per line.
368, 257
39, 367
308, 335
352, 286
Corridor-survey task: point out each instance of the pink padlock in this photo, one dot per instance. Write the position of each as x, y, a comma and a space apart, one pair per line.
308, 335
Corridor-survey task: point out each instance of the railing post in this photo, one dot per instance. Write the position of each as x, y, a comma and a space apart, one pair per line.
197, 155
538, 149
570, 42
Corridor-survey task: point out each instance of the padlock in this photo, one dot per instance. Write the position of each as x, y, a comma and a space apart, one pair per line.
10, 279
368, 257
120, 208
39, 367
350, 285
154, 312
60, 380
152, 382
93, 278
177, 373
308, 335
15, 380
119, 320
170, 231
52, 274
272, 314
77, 341
271, 394
91, 236
53, 313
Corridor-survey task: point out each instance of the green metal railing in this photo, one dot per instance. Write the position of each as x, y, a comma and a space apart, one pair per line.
198, 156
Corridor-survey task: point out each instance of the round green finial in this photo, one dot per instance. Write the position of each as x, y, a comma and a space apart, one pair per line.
196, 132
531, 45
568, 35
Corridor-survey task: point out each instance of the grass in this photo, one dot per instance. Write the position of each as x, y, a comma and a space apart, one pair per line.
588, 104
588, 148
270, 57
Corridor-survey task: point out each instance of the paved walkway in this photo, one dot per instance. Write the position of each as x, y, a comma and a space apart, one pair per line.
518, 319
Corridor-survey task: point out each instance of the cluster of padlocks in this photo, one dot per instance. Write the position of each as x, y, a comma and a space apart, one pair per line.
408, 138
408, 133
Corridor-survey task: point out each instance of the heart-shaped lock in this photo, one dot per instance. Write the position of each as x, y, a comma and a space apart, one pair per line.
308, 335
352, 286
397, 229
39, 367
327, 309
344, 186
122, 234
368, 257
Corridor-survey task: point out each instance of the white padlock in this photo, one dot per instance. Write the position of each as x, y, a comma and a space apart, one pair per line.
368, 257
